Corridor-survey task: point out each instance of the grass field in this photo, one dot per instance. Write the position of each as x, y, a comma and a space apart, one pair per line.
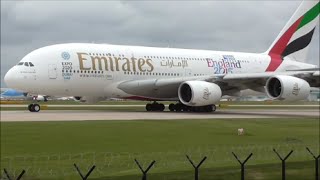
47, 150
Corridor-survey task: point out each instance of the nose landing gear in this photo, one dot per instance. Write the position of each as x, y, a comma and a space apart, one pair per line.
34, 107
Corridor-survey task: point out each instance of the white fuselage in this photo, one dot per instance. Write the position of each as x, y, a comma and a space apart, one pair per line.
97, 69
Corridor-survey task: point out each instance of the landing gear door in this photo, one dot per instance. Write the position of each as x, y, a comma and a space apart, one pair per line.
52, 71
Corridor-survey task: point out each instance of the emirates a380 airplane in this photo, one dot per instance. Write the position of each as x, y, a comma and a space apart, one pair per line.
195, 79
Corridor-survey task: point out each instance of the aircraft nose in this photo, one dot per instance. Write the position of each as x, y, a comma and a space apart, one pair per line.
10, 78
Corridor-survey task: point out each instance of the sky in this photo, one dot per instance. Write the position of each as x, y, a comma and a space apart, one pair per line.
244, 26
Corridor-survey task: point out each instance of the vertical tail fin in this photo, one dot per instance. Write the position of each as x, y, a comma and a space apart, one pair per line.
294, 39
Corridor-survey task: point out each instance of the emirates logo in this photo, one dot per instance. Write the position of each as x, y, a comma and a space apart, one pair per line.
206, 93
295, 89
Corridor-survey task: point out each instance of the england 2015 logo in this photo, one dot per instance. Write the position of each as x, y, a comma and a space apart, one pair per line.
65, 55
226, 65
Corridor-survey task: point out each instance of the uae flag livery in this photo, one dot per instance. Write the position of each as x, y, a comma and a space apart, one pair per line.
293, 41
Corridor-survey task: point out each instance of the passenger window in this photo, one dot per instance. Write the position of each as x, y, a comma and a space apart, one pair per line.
31, 65
26, 64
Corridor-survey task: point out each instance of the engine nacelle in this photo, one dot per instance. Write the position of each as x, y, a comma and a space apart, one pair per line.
288, 88
78, 98
88, 99
40, 98
199, 93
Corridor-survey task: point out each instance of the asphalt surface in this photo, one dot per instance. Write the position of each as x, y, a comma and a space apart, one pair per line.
140, 105
81, 115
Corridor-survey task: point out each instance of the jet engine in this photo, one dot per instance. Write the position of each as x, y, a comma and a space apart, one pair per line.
288, 88
40, 98
78, 99
88, 99
199, 93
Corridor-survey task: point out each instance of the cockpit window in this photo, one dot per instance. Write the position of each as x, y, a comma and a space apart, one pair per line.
20, 63
31, 65
26, 64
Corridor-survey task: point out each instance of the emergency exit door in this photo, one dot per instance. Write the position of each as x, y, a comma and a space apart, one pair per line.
52, 71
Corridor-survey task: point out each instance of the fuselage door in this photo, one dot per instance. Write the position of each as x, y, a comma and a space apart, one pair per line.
52, 70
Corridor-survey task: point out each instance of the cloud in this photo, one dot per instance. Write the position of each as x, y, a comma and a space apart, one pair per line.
248, 26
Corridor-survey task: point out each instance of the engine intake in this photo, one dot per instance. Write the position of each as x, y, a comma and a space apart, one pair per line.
199, 93
288, 88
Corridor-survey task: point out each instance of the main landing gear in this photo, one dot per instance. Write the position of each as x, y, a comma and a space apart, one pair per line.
155, 107
34, 107
179, 107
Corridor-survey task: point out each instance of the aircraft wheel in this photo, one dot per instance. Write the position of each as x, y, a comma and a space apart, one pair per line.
208, 108
30, 107
195, 109
155, 107
178, 107
203, 109
161, 107
171, 107
36, 107
214, 108
184, 108
188, 108
149, 107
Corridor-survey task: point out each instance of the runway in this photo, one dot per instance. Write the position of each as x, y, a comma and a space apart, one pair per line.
83, 115
139, 105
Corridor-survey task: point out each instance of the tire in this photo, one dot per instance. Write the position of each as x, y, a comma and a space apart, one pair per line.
171, 107
162, 107
178, 108
154, 107
214, 108
203, 109
36, 108
208, 108
184, 108
30, 107
149, 107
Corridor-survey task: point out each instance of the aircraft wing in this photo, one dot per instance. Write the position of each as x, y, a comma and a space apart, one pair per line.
230, 84
160, 88
257, 81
